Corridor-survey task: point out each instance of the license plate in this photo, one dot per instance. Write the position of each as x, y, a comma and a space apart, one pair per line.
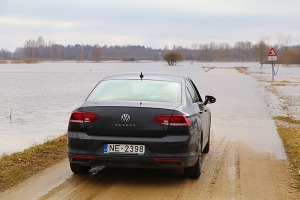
124, 149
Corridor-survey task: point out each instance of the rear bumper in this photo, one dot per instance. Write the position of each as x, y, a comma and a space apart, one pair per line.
134, 162
165, 152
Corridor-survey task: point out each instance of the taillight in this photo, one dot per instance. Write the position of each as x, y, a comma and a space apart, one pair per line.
83, 117
172, 120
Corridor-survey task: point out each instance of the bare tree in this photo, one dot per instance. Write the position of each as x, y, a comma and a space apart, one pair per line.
29, 48
51, 46
282, 47
40, 44
243, 49
96, 53
260, 50
5, 54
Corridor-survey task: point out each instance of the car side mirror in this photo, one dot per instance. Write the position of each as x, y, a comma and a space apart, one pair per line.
209, 99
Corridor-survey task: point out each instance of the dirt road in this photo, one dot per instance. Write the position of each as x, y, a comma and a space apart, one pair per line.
231, 170
246, 160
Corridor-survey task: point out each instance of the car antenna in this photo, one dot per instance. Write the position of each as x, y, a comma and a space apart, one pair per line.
141, 76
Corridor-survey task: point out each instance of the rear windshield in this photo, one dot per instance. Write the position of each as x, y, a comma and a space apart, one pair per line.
137, 90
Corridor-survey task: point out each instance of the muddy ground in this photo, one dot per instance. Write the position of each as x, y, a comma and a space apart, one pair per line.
246, 161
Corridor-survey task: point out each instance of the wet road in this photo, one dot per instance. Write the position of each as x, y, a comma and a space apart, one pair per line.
246, 161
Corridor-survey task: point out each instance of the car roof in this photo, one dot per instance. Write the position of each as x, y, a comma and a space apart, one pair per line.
146, 76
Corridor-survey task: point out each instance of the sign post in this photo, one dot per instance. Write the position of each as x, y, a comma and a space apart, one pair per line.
272, 56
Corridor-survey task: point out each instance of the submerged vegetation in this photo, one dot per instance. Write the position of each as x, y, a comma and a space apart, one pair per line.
18, 166
289, 131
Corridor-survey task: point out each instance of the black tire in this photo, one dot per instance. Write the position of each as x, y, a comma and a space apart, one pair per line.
78, 169
194, 172
206, 148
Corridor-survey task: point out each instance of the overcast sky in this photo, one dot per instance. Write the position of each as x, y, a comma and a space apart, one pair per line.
152, 23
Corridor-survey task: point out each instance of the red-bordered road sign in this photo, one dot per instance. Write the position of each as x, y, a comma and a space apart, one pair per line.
272, 55
272, 52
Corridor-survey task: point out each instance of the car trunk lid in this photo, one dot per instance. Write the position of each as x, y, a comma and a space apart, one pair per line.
129, 121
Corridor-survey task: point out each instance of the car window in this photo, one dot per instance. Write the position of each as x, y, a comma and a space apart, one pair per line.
188, 94
196, 90
191, 92
137, 90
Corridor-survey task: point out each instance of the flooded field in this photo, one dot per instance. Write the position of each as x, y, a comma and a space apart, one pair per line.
285, 86
36, 100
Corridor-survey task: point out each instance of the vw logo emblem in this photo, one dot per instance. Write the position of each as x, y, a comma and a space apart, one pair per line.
125, 118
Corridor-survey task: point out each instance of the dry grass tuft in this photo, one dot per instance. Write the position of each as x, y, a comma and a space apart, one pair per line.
242, 70
287, 119
24, 60
3, 61
18, 166
289, 132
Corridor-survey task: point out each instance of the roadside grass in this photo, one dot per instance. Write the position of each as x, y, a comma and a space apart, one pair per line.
24, 60
289, 131
18, 166
284, 83
242, 70
3, 61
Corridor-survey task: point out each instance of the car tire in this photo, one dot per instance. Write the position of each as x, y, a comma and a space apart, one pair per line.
207, 146
78, 169
194, 172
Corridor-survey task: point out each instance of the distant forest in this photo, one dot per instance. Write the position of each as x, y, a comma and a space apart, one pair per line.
241, 51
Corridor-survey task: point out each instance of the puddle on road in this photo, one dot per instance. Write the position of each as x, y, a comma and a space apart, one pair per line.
241, 113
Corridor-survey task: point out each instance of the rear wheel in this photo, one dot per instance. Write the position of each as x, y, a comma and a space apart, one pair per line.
206, 148
78, 169
193, 172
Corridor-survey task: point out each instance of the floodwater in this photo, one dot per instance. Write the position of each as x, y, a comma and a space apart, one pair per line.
286, 86
37, 99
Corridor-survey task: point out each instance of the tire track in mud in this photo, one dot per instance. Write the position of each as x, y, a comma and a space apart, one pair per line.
83, 187
214, 167
231, 170
128, 183
212, 163
227, 179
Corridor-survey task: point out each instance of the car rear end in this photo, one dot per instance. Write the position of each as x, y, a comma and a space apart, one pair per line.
133, 130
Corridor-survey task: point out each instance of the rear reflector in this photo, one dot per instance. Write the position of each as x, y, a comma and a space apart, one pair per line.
172, 120
83, 117
167, 160
83, 157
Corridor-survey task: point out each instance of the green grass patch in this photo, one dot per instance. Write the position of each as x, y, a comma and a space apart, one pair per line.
290, 135
18, 166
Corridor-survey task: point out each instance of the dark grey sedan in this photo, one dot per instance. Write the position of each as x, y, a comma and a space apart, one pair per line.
141, 120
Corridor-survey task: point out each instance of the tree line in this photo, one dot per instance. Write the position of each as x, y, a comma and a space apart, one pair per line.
241, 51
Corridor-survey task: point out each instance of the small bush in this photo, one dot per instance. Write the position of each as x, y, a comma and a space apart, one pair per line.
172, 58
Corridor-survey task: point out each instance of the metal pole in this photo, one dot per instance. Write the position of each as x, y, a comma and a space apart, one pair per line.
273, 71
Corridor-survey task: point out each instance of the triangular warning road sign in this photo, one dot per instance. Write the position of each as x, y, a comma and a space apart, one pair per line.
272, 52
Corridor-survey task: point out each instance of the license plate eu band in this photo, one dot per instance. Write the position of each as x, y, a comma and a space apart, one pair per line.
124, 149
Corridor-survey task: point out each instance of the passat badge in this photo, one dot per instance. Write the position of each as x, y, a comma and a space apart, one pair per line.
125, 118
